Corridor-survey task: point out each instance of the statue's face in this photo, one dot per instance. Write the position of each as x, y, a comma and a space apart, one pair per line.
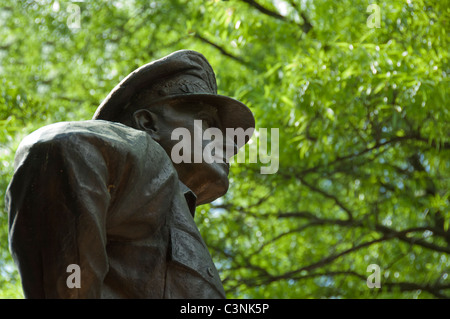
207, 180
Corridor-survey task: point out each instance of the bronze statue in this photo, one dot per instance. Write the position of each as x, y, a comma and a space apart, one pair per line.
104, 194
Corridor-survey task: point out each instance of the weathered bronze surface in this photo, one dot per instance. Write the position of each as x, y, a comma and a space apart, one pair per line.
105, 195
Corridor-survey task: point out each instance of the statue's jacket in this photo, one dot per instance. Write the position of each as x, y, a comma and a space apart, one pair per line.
107, 198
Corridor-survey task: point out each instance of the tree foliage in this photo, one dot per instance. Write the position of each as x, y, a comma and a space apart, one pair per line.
362, 111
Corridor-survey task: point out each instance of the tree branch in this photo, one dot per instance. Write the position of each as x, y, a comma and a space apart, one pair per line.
364, 151
222, 50
434, 290
306, 26
402, 235
264, 10
327, 195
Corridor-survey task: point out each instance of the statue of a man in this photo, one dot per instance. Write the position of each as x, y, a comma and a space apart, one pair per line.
104, 195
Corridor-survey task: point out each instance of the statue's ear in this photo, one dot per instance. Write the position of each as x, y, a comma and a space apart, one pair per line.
147, 121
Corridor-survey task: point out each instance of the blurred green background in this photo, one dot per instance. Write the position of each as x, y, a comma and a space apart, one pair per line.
360, 97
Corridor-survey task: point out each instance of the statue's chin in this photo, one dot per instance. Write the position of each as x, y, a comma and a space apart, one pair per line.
207, 181
212, 192
212, 182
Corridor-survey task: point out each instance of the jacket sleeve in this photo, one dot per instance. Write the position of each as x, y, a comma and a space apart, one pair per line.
57, 203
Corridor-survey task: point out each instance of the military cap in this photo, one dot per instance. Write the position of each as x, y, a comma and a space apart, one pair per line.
183, 76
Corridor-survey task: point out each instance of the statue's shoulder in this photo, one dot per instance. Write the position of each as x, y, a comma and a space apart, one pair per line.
105, 135
90, 131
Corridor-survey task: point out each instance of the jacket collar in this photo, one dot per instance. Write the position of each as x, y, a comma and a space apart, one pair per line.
190, 197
